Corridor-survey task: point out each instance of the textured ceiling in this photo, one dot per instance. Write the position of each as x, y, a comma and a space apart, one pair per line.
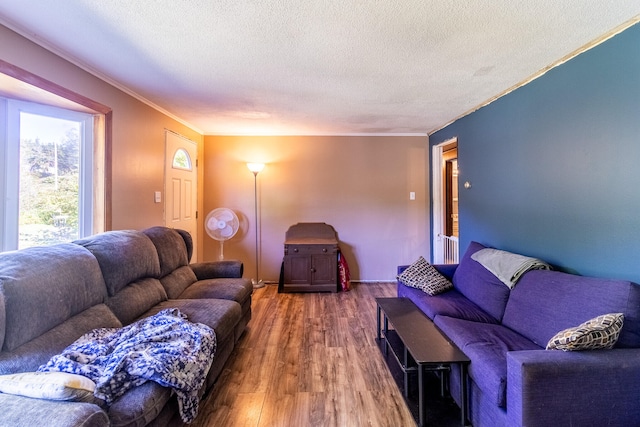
316, 67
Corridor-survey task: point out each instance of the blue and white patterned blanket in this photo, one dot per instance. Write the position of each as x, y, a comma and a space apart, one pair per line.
165, 348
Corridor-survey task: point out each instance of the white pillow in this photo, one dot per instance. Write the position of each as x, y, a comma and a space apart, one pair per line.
50, 385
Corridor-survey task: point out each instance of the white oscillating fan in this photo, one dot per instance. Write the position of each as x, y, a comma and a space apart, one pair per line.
221, 224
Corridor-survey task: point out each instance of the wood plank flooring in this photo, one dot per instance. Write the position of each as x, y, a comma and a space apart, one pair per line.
308, 360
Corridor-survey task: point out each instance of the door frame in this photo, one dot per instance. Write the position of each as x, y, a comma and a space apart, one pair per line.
169, 155
438, 199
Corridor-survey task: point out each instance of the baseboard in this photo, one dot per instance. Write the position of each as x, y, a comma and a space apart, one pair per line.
373, 282
364, 282
270, 282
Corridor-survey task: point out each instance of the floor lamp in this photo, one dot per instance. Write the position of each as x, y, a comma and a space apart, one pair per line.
255, 168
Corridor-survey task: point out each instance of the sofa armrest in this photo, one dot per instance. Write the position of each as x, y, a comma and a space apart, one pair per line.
218, 269
25, 411
552, 387
401, 268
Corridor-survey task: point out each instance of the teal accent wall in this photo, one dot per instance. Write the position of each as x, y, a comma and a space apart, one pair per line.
555, 165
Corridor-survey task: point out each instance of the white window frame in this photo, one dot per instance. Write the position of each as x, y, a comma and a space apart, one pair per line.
10, 110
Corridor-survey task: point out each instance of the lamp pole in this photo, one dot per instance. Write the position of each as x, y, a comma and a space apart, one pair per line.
255, 168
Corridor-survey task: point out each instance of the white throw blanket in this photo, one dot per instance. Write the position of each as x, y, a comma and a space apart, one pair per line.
507, 266
165, 348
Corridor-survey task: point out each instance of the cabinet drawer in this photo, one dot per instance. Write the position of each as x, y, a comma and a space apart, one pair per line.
310, 249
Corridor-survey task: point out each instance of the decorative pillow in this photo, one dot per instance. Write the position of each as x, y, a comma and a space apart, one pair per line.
50, 385
425, 277
598, 333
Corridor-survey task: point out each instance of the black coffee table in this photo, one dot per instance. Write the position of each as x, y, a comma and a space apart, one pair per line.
419, 346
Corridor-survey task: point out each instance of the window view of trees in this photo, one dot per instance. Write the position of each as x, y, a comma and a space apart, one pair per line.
49, 181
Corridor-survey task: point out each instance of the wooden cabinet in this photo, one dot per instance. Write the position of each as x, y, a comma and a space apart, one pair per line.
310, 258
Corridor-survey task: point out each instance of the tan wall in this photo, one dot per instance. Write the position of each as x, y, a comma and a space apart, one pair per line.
360, 185
138, 131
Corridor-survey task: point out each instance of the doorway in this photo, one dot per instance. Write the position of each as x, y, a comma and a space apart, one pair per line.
181, 185
446, 229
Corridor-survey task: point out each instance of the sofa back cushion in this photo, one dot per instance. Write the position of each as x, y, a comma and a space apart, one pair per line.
480, 285
124, 257
136, 299
176, 282
171, 247
188, 240
546, 302
31, 355
44, 286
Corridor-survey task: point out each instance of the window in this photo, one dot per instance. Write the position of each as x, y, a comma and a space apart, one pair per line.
181, 160
41, 97
47, 172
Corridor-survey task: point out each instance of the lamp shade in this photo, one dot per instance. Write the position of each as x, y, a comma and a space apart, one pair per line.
255, 167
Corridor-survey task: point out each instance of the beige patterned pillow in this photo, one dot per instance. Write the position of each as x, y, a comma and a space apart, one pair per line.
601, 332
424, 276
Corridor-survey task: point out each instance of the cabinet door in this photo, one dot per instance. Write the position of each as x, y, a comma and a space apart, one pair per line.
297, 270
324, 269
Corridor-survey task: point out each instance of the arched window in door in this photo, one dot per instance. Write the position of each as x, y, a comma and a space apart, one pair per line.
181, 160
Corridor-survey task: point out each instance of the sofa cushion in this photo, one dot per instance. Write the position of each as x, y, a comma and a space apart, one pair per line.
135, 299
22, 411
598, 333
486, 345
56, 282
545, 302
478, 284
29, 356
124, 257
451, 303
177, 281
422, 275
221, 315
238, 290
139, 406
171, 247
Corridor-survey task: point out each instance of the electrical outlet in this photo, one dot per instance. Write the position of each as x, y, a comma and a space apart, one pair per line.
158, 197
412, 195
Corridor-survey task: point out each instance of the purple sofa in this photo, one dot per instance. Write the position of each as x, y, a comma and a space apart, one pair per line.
513, 380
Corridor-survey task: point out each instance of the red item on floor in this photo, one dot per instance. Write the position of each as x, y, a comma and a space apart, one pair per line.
343, 269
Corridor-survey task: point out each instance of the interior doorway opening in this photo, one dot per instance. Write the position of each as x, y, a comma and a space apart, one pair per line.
446, 229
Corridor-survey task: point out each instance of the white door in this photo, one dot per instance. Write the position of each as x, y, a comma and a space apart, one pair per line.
181, 185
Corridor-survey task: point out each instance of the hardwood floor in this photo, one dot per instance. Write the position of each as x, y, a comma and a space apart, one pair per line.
308, 360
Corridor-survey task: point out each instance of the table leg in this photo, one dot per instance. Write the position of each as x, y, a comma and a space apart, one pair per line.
386, 334
421, 397
378, 322
406, 372
463, 390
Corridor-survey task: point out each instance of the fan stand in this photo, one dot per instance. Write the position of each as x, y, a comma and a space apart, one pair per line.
221, 257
